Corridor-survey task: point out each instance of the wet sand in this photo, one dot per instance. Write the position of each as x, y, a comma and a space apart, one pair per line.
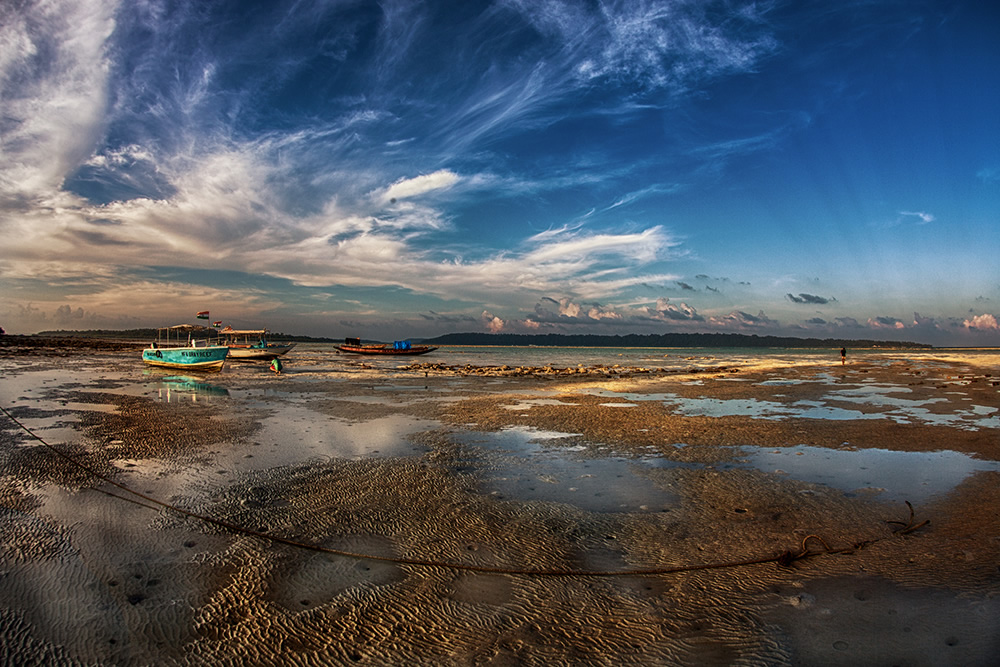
442, 515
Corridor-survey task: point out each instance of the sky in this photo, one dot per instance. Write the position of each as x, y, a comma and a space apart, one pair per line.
401, 169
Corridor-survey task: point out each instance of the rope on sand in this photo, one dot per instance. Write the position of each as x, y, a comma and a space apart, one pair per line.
785, 558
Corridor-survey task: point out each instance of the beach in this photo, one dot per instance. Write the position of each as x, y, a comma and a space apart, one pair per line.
472, 507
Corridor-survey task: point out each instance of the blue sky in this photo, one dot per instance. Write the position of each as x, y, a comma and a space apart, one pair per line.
405, 169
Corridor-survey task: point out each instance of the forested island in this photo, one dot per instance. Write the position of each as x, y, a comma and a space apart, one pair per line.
150, 334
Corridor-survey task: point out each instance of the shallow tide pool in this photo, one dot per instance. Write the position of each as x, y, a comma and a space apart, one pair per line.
913, 476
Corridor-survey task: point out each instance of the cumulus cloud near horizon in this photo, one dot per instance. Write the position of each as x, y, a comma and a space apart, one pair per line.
884, 322
986, 321
492, 323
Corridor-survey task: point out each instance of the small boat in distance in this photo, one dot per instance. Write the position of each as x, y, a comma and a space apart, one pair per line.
177, 347
251, 344
400, 347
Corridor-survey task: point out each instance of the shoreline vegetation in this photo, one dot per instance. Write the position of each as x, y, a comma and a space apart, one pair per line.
665, 340
146, 334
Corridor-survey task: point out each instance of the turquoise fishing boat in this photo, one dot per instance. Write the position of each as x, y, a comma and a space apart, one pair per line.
178, 347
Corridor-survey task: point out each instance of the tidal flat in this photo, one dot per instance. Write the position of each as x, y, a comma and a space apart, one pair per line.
738, 509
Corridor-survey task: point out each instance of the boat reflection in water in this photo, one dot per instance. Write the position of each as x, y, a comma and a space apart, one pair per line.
181, 388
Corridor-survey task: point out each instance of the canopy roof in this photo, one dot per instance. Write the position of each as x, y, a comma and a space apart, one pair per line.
187, 327
229, 331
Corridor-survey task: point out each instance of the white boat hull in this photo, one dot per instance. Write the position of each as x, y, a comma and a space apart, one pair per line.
258, 353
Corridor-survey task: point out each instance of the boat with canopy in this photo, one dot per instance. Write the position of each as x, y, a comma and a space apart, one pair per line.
251, 344
181, 347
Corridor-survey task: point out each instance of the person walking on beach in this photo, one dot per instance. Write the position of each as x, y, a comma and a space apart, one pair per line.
276, 365
843, 356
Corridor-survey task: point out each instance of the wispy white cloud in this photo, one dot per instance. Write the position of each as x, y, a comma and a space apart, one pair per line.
644, 246
741, 146
400, 28
922, 217
53, 83
632, 197
406, 188
643, 49
650, 44
502, 104
120, 157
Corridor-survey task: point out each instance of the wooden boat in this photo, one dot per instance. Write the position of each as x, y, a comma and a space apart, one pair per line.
400, 347
251, 345
177, 347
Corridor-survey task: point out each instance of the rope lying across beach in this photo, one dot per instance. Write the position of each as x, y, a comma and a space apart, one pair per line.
785, 558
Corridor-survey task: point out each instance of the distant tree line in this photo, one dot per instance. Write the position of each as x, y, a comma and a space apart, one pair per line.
552, 340
660, 340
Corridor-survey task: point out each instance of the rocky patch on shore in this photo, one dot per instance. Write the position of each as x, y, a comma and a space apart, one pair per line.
599, 370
